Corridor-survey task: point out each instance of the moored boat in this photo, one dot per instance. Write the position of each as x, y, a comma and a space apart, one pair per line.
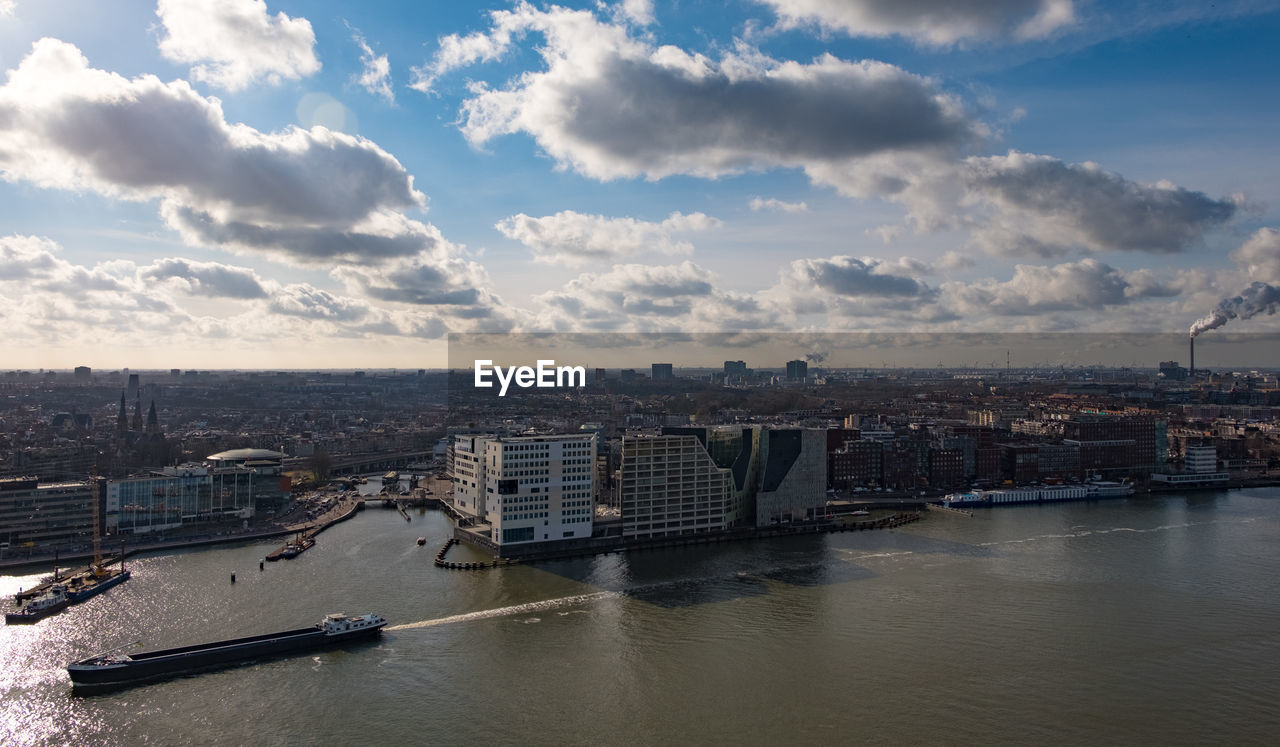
113, 668
52, 601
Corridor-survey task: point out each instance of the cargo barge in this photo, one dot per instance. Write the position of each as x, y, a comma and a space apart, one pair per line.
114, 669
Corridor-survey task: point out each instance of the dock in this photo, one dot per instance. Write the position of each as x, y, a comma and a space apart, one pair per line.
943, 508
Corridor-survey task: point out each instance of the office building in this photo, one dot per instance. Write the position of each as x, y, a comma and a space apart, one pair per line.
663, 372
54, 514
527, 489
797, 370
793, 475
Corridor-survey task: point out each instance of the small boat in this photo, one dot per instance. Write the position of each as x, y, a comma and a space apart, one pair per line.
52, 601
114, 669
422, 541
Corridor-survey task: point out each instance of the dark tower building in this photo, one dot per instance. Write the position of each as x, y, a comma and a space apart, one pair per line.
153, 423
122, 421
797, 370
136, 423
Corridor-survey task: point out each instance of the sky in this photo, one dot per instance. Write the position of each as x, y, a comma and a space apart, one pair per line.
284, 184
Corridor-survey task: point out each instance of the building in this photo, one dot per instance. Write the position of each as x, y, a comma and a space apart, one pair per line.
857, 464
946, 467
1171, 371
797, 370
49, 515
187, 496
1201, 470
672, 486
663, 372
793, 475
735, 370
82, 373
527, 489
1202, 459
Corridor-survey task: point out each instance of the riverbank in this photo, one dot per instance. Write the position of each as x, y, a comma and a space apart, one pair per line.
339, 512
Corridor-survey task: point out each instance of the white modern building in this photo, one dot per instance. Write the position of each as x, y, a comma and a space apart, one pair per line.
527, 488
1201, 469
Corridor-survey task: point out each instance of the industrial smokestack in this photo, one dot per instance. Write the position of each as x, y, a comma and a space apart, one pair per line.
1192, 373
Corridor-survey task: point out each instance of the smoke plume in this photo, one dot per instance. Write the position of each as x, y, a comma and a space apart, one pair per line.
1258, 298
816, 357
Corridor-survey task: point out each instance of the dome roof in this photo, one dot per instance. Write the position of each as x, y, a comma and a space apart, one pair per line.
243, 455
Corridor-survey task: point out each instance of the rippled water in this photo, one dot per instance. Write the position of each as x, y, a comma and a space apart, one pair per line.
1146, 620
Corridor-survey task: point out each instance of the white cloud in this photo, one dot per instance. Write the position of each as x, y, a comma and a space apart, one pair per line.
232, 44
1039, 205
935, 22
376, 75
7, 7
632, 297
304, 196
49, 302
569, 236
954, 260
1259, 256
773, 203
206, 278
639, 12
1022, 204
1073, 286
609, 105
459, 51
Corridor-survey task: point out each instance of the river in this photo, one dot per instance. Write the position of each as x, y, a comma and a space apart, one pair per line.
1152, 620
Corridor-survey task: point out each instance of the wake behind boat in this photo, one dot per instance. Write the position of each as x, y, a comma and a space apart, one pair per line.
114, 669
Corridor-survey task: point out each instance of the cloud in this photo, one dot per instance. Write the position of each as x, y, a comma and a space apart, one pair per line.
865, 277
1073, 286
633, 297
639, 12
1259, 256
954, 260
934, 22
7, 7
309, 302
438, 277
608, 105
1041, 206
303, 196
50, 303
206, 278
459, 51
26, 257
232, 44
376, 75
760, 203
569, 236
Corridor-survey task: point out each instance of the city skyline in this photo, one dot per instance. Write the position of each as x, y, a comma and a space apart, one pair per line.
314, 185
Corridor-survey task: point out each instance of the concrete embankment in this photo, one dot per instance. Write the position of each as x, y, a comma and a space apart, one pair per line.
607, 545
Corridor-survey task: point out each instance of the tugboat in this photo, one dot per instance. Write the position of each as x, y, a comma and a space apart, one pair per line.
52, 601
113, 669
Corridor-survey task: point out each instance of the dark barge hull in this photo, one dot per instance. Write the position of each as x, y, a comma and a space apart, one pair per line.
172, 662
81, 594
27, 618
